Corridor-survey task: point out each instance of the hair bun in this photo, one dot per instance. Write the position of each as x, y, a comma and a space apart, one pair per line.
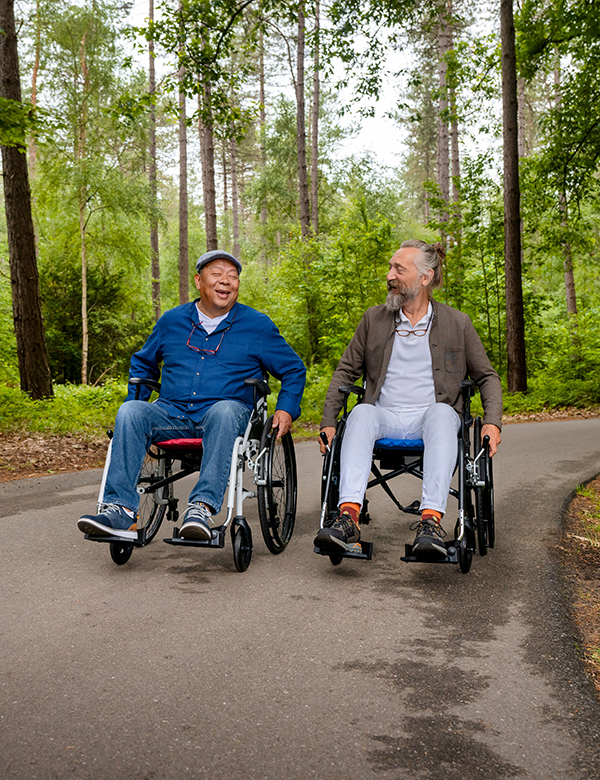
441, 250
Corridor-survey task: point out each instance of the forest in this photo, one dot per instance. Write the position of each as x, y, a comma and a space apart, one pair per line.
151, 133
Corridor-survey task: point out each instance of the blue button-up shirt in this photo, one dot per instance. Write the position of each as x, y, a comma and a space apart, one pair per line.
244, 344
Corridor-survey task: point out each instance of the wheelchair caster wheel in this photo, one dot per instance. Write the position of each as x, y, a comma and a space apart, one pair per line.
336, 559
120, 552
242, 545
465, 555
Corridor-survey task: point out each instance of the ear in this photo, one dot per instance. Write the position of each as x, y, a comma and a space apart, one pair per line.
197, 281
427, 278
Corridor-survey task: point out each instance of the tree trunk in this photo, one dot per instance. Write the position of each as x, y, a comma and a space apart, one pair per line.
235, 200
564, 213
34, 77
207, 153
32, 355
154, 256
184, 291
263, 150
515, 321
82, 203
314, 171
443, 159
301, 130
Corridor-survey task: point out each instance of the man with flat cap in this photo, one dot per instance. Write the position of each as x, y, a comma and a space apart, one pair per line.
202, 352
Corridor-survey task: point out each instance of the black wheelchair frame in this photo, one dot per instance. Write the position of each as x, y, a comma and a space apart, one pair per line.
475, 526
272, 462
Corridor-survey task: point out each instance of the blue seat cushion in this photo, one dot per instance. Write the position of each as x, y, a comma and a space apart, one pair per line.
400, 444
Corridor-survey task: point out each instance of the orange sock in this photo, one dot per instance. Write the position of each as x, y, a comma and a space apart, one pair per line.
351, 509
432, 513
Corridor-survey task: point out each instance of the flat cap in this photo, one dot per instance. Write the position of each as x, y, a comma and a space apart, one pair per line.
217, 254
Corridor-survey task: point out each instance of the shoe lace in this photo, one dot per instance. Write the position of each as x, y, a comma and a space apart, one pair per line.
423, 526
110, 507
346, 524
200, 509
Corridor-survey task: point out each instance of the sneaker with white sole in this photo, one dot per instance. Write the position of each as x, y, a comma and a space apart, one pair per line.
113, 520
197, 522
338, 536
429, 540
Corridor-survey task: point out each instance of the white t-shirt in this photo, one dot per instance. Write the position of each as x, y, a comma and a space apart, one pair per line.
408, 384
207, 323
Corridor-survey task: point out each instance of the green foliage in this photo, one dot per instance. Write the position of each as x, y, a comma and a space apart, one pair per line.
74, 409
17, 122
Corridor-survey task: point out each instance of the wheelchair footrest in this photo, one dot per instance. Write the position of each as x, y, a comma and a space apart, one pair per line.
217, 539
362, 550
451, 557
139, 542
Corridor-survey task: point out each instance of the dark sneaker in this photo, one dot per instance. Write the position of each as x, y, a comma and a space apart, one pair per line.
113, 520
337, 538
429, 541
196, 525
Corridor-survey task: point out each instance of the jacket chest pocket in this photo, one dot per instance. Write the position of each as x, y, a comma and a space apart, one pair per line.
455, 361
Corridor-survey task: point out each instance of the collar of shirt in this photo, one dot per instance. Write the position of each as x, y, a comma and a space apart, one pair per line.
424, 321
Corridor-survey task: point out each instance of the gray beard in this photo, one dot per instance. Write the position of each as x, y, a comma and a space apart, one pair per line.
396, 299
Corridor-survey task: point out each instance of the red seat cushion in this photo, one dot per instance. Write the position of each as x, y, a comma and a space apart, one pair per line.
180, 444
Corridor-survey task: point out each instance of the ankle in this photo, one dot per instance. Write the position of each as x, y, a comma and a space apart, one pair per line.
351, 509
434, 514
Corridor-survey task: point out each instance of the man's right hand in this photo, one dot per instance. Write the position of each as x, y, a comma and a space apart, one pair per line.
330, 433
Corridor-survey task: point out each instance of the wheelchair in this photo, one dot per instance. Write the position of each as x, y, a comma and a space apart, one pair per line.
474, 529
271, 461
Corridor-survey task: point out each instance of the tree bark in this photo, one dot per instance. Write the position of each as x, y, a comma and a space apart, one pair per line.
301, 129
154, 256
32, 355
207, 154
314, 171
184, 290
443, 159
82, 203
515, 320
234, 199
263, 150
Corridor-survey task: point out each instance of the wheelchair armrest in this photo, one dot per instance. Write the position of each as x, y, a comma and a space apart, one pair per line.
357, 389
467, 384
261, 386
140, 380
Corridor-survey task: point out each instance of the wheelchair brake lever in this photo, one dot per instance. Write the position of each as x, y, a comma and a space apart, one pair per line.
323, 437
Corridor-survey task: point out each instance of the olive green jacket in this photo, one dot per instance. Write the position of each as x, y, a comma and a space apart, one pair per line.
456, 354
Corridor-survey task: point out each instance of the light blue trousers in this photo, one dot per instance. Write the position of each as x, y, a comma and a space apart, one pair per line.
438, 426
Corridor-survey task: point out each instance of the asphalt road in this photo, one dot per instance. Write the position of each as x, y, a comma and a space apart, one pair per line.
177, 666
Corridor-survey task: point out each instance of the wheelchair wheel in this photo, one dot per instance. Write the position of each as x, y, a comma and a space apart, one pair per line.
277, 498
333, 493
150, 514
465, 555
120, 552
241, 536
484, 498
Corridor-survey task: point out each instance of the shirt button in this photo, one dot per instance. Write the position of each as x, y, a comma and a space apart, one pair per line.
197, 374
193, 393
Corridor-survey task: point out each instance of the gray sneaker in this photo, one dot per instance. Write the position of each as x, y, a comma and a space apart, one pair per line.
337, 537
113, 520
196, 525
429, 540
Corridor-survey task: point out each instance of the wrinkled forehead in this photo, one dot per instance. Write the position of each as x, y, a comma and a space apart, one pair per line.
405, 258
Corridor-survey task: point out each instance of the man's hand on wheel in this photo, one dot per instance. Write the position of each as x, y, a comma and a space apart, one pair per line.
330, 433
283, 421
494, 434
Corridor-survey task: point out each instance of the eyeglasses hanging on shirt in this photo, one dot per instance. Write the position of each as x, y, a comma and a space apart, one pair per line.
209, 351
404, 332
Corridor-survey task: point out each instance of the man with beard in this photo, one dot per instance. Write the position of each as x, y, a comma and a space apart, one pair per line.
413, 352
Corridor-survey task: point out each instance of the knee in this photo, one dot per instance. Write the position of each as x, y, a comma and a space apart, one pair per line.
362, 415
131, 413
440, 417
226, 414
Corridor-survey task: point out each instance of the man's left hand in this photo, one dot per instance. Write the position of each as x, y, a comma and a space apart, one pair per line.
494, 434
283, 421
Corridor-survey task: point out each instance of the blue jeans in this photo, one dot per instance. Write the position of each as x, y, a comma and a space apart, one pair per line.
139, 424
